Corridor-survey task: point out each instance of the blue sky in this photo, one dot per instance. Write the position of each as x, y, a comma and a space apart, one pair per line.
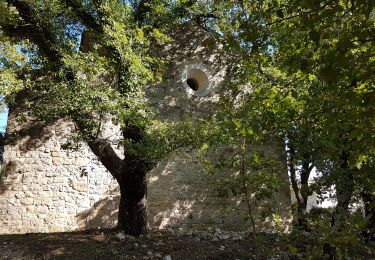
3, 119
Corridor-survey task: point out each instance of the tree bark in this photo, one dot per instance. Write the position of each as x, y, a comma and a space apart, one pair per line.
305, 191
132, 216
344, 191
302, 192
246, 189
368, 199
130, 172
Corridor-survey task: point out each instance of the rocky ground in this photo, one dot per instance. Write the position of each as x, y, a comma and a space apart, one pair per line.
166, 245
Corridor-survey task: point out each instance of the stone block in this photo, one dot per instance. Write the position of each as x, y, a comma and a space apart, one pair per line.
39, 167
46, 201
35, 154
82, 161
12, 201
80, 186
30, 209
58, 154
55, 147
35, 222
57, 228
57, 161
27, 201
45, 154
71, 211
16, 187
46, 161
41, 210
11, 155
69, 161
60, 180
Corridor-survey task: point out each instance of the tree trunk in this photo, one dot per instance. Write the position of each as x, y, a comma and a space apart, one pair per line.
304, 191
245, 188
132, 216
344, 191
368, 199
341, 215
300, 193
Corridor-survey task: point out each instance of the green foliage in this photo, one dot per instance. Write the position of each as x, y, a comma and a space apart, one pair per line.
304, 72
347, 244
310, 68
251, 176
95, 66
292, 250
260, 177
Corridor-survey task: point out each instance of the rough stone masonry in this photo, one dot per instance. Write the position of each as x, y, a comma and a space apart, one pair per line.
44, 188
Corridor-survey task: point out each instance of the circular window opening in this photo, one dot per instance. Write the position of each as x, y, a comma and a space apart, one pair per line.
197, 79
193, 83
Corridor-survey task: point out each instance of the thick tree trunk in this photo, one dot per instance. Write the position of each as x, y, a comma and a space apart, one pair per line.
341, 215
130, 174
368, 199
344, 191
132, 216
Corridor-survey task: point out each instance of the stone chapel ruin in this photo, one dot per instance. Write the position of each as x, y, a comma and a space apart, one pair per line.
44, 188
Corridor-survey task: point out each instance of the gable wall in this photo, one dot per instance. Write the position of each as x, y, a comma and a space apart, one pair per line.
45, 188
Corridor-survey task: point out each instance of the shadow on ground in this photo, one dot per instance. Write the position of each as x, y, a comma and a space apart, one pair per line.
105, 244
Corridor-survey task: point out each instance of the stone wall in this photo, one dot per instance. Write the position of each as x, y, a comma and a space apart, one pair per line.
44, 188
182, 195
47, 189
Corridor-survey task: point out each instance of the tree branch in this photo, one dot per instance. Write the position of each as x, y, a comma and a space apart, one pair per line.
311, 167
33, 29
141, 10
38, 32
106, 155
100, 147
300, 14
85, 17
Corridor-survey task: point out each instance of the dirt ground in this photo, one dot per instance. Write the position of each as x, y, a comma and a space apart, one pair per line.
109, 244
